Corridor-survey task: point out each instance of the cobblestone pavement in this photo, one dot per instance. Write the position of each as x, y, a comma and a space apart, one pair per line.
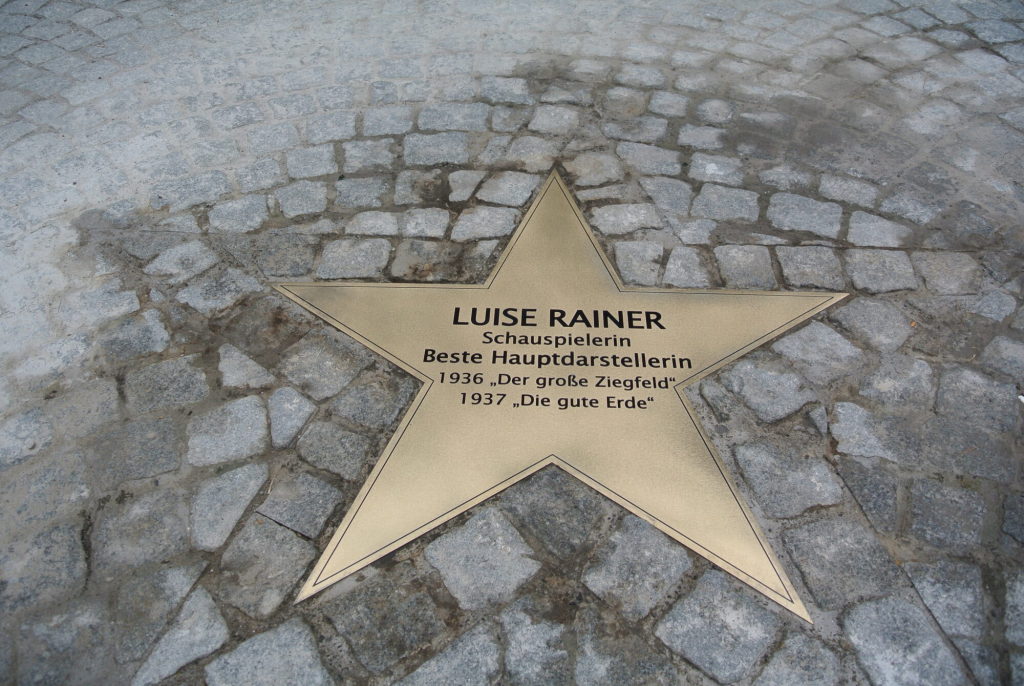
177, 442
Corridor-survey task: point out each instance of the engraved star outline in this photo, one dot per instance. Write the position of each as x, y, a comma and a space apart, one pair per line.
379, 520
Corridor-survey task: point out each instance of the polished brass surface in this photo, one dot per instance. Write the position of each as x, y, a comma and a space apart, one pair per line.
484, 419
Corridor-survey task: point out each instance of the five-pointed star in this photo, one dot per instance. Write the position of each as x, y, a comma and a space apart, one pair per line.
454, 448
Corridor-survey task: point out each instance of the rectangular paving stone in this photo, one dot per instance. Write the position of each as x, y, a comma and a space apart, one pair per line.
796, 213
440, 148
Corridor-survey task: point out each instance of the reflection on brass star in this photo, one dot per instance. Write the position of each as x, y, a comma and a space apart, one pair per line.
490, 411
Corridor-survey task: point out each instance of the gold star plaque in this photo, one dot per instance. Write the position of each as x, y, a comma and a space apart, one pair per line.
553, 361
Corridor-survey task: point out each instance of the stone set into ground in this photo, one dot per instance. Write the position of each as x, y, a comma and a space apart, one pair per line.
177, 442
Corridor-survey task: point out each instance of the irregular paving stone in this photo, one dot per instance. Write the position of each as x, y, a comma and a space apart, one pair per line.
424, 261
869, 230
669, 104
286, 654
232, 431
556, 509
239, 216
463, 183
164, 385
619, 219
322, 363
93, 306
181, 262
796, 213
880, 271
608, 653
484, 561
288, 411
860, 433
841, 561
901, 382
484, 222
810, 267
361, 192
948, 273
535, 654
978, 399
328, 446
787, 484
302, 198
198, 631
374, 399
1015, 608
473, 658
354, 258
848, 190
135, 450
638, 129
434, 149
875, 491
685, 270
897, 645
745, 266
669, 195
594, 168
430, 222
384, 620
802, 661
785, 177
820, 353
715, 111
1005, 355
509, 188
772, 394
413, 187
700, 137
719, 628
238, 370
995, 305
878, 324
946, 516
301, 502
135, 336
68, 646
953, 593
638, 261
637, 568
373, 224
982, 660
44, 489
721, 203
716, 169
218, 291
148, 528
649, 159
261, 565
219, 503
42, 567
144, 604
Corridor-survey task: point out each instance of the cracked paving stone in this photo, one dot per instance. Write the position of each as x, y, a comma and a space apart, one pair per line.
877, 323
509, 188
484, 222
261, 566
384, 620
232, 431
719, 628
218, 291
165, 385
286, 654
144, 604
801, 661
288, 411
239, 216
323, 362
535, 654
787, 484
896, 644
220, 502
148, 528
770, 392
335, 449
637, 568
870, 231
182, 262
820, 353
354, 258
841, 560
198, 631
953, 593
473, 658
238, 370
947, 517
484, 561
135, 450
42, 567
300, 502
